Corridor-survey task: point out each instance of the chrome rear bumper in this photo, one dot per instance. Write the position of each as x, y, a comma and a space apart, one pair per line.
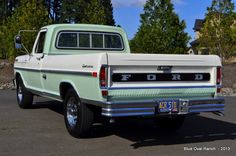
149, 107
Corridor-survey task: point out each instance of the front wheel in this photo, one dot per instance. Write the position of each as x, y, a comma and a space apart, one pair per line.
24, 97
78, 116
170, 123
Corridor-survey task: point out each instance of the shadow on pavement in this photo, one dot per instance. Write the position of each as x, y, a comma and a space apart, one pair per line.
195, 129
52, 105
144, 133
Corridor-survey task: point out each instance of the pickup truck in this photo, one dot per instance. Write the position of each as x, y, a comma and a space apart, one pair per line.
91, 70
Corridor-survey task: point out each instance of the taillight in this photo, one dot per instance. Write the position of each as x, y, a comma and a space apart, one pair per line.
218, 79
218, 76
103, 80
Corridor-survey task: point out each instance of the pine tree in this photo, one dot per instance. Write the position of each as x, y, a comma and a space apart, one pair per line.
54, 9
3, 10
161, 31
94, 13
29, 15
108, 9
217, 35
6, 8
87, 11
73, 11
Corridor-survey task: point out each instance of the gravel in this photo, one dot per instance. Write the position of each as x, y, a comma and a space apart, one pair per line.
227, 92
9, 85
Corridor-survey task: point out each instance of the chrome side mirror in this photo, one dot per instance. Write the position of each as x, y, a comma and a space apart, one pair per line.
18, 44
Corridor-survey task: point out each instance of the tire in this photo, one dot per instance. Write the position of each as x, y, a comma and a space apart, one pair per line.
24, 97
77, 115
170, 123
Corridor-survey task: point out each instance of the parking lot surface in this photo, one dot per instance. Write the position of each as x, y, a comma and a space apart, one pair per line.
41, 131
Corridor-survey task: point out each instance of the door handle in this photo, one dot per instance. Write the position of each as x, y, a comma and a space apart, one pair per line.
44, 76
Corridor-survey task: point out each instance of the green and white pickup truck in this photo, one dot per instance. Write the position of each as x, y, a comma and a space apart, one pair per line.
91, 70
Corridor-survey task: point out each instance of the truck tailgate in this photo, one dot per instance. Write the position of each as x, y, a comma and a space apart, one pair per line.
133, 76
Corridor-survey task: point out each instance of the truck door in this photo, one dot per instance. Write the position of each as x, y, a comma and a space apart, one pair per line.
35, 62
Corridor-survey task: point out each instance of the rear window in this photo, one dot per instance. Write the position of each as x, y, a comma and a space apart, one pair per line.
84, 40
112, 41
68, 40
89, 40
97, 40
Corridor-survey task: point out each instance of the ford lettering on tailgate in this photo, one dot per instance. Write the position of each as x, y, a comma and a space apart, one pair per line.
128, 77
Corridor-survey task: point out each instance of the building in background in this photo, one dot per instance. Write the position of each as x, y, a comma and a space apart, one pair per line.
199, 23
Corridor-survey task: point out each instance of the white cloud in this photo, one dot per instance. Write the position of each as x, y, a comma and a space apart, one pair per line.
138, 3
127, 3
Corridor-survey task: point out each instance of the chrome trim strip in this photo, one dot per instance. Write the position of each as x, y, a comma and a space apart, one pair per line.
206, 110
159, 87
112, 103
208, 99
128, 114
132, 102
126, 109
55, 71
206, 105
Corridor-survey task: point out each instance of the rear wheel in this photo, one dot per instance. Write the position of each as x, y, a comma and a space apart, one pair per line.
24, 97
170, 123
78, 116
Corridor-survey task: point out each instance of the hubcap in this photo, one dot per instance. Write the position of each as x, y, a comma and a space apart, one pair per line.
19, 93
72, 111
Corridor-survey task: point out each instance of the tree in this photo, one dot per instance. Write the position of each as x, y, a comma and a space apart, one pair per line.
54, 9
72, 11
87, 11
3, 10
29, 15
161, 31
108, 10
217, 35
6, 8
94, 13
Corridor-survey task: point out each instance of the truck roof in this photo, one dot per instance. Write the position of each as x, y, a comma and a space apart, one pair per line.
87, 27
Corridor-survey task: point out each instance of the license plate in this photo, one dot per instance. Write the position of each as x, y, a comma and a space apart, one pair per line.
167, 106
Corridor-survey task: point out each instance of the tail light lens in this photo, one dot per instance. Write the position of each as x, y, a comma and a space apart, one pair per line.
218, 79
103, 80
218, 76
103, 77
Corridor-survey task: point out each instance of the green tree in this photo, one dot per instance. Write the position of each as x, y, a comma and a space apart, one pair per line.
161, 31
94, 13
3, 10
29, 15
72, 11
108, 9
87, 11
6, 8
217, 35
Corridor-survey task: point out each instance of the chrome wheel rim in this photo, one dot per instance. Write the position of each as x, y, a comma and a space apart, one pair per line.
19, 93
72, 111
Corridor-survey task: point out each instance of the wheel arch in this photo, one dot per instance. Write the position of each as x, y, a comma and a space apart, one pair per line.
64, 87
19, 75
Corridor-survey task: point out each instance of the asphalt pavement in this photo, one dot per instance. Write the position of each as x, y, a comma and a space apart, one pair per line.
40, 131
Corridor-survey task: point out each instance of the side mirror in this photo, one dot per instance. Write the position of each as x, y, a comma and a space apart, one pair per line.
18, 44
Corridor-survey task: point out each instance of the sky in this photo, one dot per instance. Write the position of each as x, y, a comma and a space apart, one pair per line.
127, 13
